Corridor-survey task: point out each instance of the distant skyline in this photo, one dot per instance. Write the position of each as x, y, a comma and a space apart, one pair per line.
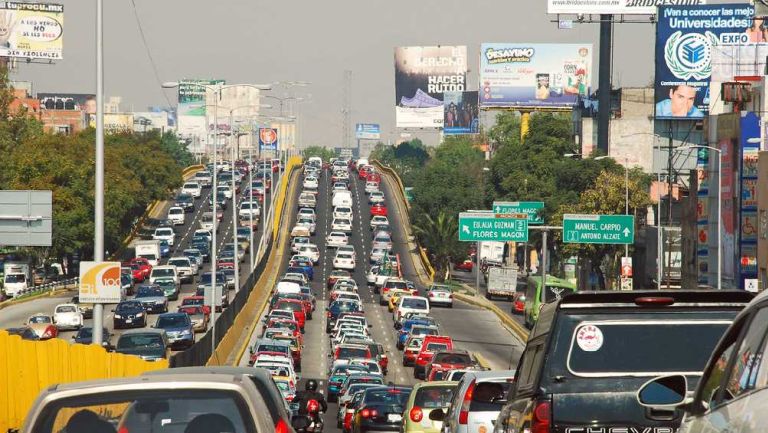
262, 42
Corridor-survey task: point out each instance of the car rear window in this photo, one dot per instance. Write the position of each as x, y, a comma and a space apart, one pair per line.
635, 347
397, 284
434, 347
452, 358
555, 293
353, 352
391, 396
420, 304
273, 348
431, 397
489, 396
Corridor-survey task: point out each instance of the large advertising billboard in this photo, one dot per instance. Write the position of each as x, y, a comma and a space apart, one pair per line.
68, 101
534, 75
685, 36
422, 74
191, 120
31, 30
461, 114
623, 7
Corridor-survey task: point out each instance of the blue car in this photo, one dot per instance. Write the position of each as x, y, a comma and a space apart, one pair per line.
309, 272
178, 329
165, 249
405, 331
337, 378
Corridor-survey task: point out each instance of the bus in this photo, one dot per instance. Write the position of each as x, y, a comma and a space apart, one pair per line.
535, 298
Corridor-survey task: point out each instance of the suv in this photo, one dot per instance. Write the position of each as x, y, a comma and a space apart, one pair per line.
590, 352
476, 403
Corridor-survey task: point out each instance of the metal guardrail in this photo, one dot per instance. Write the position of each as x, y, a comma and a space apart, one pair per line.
42, 288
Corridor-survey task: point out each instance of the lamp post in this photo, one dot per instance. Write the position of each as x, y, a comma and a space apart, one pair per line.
719, 205
98, 215
214, 281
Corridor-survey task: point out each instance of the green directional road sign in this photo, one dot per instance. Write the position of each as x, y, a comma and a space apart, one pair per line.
487, 226
530, 208
598, 229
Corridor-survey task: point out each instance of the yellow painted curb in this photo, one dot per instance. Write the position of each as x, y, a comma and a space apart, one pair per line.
481, 361
510, 323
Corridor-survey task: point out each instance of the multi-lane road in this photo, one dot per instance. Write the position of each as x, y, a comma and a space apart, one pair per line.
471, 328
15, 315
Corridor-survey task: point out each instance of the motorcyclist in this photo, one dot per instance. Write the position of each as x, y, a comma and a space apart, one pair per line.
310, 393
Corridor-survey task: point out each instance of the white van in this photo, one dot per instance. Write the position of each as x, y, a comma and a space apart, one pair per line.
176, 214
165, 272
342, 198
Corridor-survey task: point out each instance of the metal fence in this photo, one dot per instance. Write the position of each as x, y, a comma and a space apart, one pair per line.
42, 288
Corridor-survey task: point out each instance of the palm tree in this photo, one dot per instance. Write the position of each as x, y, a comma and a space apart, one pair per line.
440, 235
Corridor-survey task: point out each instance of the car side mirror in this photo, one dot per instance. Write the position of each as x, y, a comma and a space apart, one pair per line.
664, 393
437, 415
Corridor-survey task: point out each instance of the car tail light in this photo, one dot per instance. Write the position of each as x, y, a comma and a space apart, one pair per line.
464, 412
368, 413
347, 421
48, 333
328, 314
542, 414
281, 427
654, 301
416, 414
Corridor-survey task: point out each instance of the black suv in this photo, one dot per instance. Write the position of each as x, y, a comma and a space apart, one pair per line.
590, 352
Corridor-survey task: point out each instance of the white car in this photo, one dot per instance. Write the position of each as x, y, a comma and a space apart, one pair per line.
347, 249
164, 234
67, 316
203, 232
440, 295
343, 212
309, 222
192, 188
184, 267
382, 240
248, 209
297, 242
339, 186
224, 190
371, 186
378, 220
176, 214
376, 197
307, 212
336, 239
310, 183
311, 251
377, 254
342, 225
344, 261
206, 222
411, 304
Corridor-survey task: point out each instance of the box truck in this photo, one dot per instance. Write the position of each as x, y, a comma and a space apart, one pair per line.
17, 276
148, 249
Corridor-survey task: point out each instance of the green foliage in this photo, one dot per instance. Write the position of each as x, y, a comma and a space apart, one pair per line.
323, 152
440, 235
407, 158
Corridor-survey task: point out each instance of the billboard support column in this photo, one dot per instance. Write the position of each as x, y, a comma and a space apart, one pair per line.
604, 99
525, 124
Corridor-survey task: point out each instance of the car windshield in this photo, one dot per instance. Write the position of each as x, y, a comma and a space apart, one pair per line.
66, 309
431, 397
40, 319
452, 358
175, 321
160, 272
164, 232
414, 303
145, 292
141, 410
178, 263
266, 347
140, 341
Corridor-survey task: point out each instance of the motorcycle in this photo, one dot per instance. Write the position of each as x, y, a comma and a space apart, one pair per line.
310, 423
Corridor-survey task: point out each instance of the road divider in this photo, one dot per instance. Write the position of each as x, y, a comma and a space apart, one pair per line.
517, 329
27, 367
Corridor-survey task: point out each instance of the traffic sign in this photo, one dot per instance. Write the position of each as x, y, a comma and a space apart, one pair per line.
487, 226
531, 208
598, 229
368, 131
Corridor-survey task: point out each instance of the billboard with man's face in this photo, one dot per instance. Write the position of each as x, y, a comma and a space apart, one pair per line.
685, 36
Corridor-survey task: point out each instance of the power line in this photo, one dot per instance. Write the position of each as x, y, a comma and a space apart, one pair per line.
149, 53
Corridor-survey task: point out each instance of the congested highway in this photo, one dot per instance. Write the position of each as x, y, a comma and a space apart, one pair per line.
471, 331
186, 235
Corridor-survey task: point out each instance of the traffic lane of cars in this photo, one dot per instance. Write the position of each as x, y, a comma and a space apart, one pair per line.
485, 335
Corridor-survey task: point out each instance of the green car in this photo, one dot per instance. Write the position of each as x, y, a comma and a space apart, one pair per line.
535, 298
426, 397
170, 289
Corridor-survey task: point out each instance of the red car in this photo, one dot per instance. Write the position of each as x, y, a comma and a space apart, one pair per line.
144, 266
450, 360
373, 177
194, 301
378, 209
363, 173
430, 345
465, 266
296, 306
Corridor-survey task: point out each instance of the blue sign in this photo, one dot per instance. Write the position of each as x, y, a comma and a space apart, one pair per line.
684, 39
268, 139
368, 131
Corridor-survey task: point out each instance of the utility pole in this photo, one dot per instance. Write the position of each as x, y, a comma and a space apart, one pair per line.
346, 110
667, 238
604, 83
98, 217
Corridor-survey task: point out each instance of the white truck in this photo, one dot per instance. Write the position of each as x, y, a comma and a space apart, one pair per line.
149, 249
492, 251
17, 276
501, 282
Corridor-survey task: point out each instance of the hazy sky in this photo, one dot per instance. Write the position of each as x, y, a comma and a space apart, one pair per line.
265, 41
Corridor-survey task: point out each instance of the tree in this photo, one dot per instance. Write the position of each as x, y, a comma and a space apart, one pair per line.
321, 151
607, 197
440, 235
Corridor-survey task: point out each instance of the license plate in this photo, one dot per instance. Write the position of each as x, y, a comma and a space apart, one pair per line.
394, 417
128, 320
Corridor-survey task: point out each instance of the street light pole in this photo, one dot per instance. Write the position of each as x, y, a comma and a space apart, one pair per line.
250, 204
98, 217
234, 204
214, 196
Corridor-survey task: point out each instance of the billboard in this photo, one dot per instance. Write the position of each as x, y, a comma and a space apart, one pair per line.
534, 75
118, 123
148, 120
268, 138
461, 114
100, 282
368, 131
31, 30
623, 7
68, 101
422, 74
749, 135
685, 36
192, 96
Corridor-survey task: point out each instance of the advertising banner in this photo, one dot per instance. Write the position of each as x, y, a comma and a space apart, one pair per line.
422, 75
702, 215
623, 7
268, 138
148, 120
749, 128
100, 282
685, 36
461, 113
192, 96
368, 131
117, 123
534, 75
68, 101
31, 30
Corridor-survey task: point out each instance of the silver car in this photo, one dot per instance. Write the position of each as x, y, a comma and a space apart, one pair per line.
487, 397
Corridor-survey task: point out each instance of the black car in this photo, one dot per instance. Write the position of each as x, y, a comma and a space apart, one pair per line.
381, 409
130, 314
25, 332
336, 308
590, 352
204, 247
85, 336
186, 202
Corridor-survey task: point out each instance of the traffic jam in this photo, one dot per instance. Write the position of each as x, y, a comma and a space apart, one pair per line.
345, 273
